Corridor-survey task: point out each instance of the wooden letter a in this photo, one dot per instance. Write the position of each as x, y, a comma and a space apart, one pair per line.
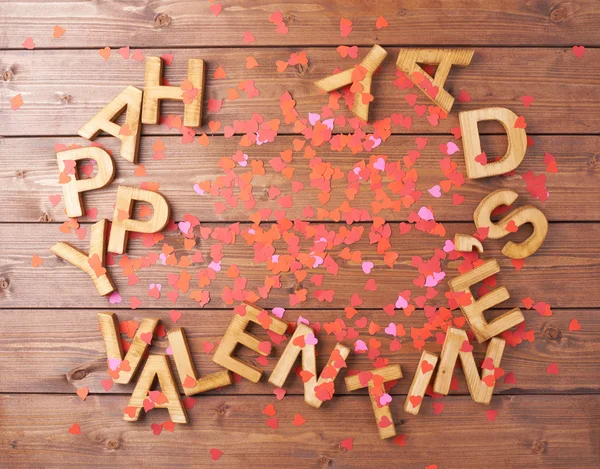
168, 398
315, 391
129, 100
433, 87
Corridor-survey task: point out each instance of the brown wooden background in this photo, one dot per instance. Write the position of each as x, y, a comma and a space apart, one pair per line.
49, 342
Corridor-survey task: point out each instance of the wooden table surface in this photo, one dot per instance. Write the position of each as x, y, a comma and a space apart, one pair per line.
50, 345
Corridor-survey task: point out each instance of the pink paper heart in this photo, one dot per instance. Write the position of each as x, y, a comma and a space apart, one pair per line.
115, 298
184, 226
390, 329
198, 189
436, 191
385, 399
451, 148
448, 246
401, 302
379, 164
310, 339
376, 143
113, 363
278, 312
313, 118
367, 266
302, 320
360, 346
425, 214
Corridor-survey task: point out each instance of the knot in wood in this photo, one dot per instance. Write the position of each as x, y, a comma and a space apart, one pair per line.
558, 14
552, 333
19, 173
3, 283
325, 461
289, 18
7, 75
113, 444
161, 20
78, 375
539, 446
222, 409
402, 12
301, 69
45, 218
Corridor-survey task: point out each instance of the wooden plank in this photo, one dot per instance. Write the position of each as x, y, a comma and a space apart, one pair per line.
58, 103
29, 177
529, 431
190, 23
63, 351
564, 272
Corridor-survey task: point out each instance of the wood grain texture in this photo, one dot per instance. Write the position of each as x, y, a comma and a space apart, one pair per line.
29, 176
540, 432
191, 23
562, 273
64, 352
564, 87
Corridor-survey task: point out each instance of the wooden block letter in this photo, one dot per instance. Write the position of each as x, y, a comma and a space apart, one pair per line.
92, 263
466, 243
154, 92
480, 388
236, 334
73, 188
360, 77
433, 87
510, 223
315, 391
423, 375
129, 100
122, 368
156, 366
473, 312
186, 370
517, 141
374, 380
122, 224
